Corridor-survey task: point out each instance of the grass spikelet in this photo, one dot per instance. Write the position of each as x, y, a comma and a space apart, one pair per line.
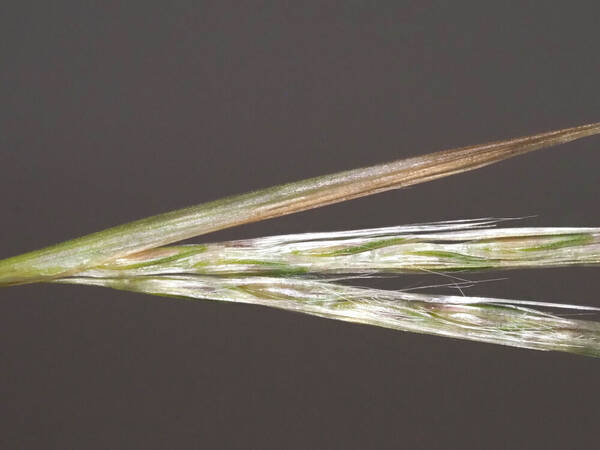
496, 321
445, 246
300, 272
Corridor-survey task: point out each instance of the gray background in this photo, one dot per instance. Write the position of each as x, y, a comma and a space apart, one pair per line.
110, 114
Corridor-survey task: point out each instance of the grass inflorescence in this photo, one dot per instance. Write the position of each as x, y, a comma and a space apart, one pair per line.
303, 272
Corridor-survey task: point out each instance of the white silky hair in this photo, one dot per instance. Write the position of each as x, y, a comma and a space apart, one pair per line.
500, 321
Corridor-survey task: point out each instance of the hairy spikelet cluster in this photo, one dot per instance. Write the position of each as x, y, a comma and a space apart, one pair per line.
445, 246
481, 319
